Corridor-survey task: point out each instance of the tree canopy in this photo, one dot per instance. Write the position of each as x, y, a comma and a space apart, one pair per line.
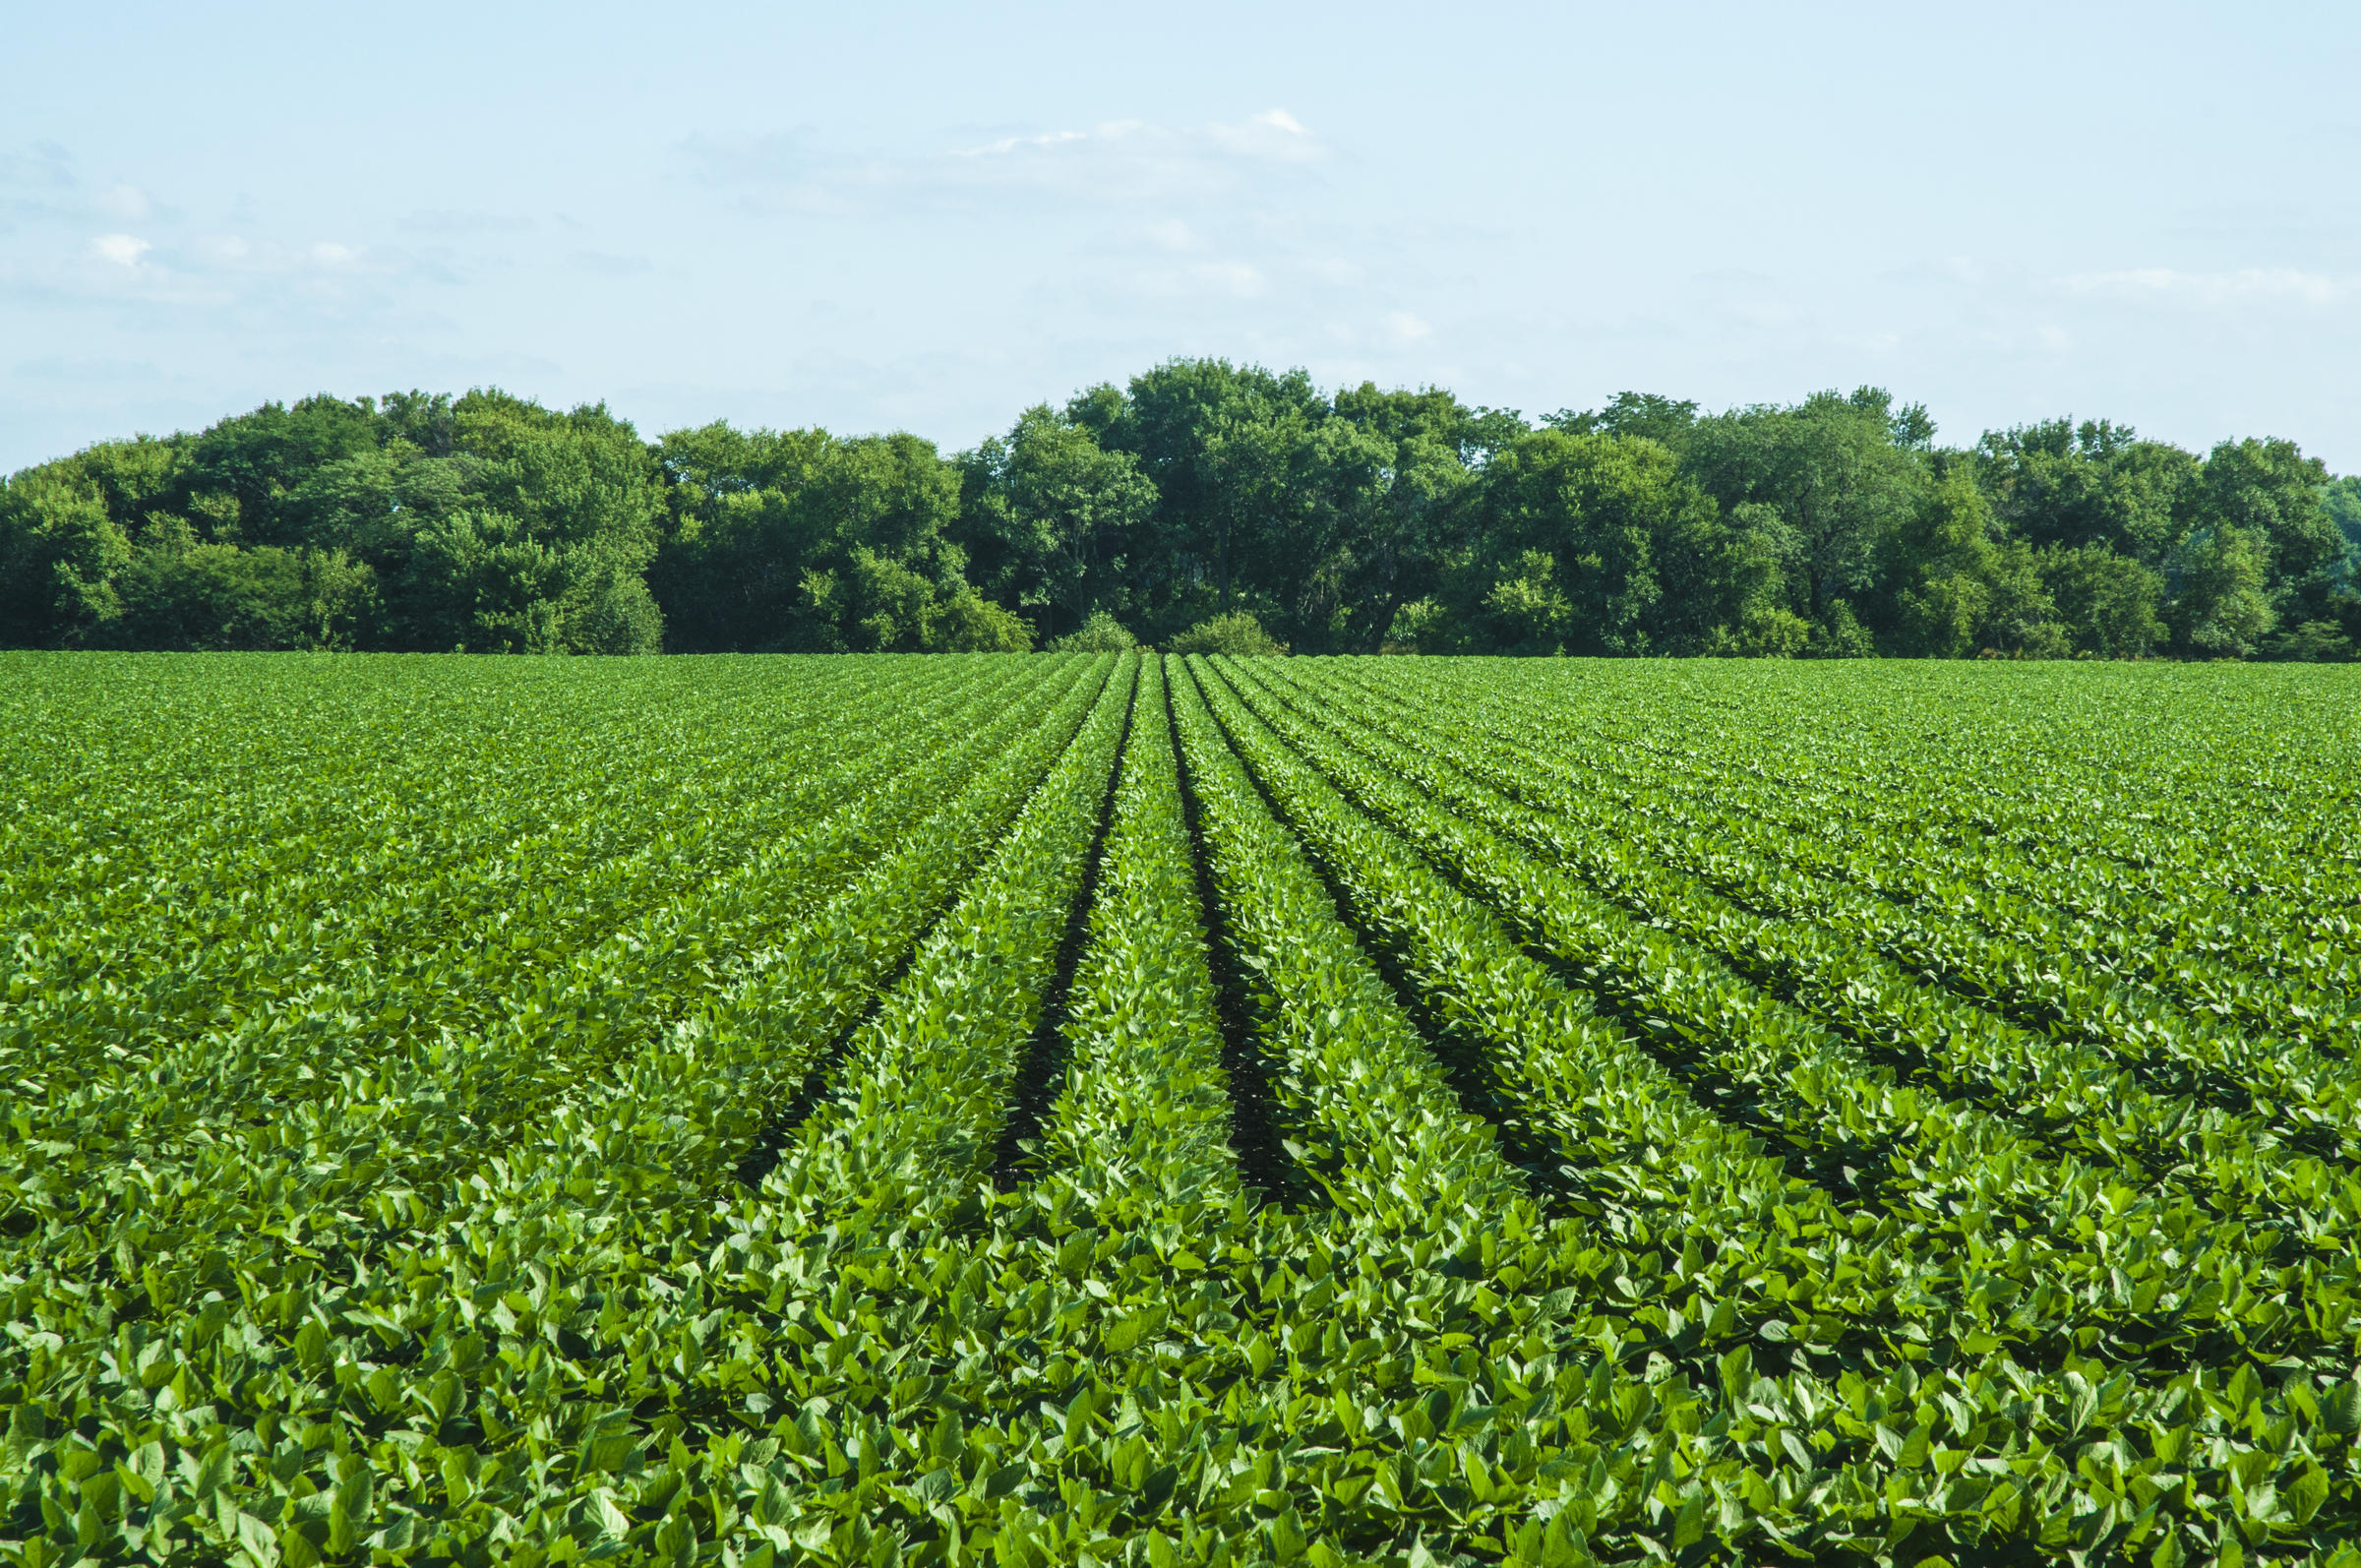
1200, 502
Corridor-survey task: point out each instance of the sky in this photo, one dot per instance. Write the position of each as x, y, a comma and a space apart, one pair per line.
928, 217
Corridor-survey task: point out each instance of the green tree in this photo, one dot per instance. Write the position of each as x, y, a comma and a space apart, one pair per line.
255, 467
2341, 501
730, 572
2223, 607
1955, 589
2056, 484
60, 552
2107, 602
1050, 519
1573, 528
1840, 634
1215, 438
1831, 468
2311, 643
184, 593
872, 603
562, 520
481, 583
1647, 416
1399, 501
2272, 493
806, 542
1939, 562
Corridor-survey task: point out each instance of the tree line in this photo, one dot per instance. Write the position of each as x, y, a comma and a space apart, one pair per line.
1205, 505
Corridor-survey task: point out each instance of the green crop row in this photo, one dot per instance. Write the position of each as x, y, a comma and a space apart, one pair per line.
1765, 1258
2213, 1207
2219, 951
451, 928
1144, 1111
2269, 856
1835, 952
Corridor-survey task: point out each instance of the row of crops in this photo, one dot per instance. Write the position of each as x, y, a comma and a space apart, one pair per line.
1122, 1109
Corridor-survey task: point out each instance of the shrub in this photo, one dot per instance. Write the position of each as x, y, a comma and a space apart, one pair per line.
1235, 632
620, 616
2311, 643
969, 622
1100, 633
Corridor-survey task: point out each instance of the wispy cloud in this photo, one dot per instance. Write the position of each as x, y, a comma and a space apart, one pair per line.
610, 264
1127, 162
1272, 133
1011, 144
2245, 286
39, 178
459, 222
125, 202
778, 157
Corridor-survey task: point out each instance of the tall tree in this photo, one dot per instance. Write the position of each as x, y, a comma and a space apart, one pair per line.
1840, 473
2056, 483
1211, 436
1647, 416
2272, 493
2223, 607
2340, 499
1574, 537
1049, 520
801, 541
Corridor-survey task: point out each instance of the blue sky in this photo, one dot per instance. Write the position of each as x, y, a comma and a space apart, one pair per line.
927, 218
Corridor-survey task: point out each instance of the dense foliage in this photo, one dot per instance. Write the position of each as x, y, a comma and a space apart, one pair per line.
1111, 1108
1360, 522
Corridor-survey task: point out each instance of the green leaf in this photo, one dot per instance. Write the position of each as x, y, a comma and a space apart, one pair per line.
611, 1520
2310, 1491
1688, 1527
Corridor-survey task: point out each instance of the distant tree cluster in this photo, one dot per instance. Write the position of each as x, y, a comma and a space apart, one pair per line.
1205, 506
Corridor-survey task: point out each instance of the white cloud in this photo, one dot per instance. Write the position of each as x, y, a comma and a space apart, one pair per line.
1236, 278
1406, 328
611, 263
1011, 144
1272, 133
2252, 283
1113, 162
125, 202
124, 250
329, 253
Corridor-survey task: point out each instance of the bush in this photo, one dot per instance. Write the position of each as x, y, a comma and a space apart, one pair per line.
182, 595
1236, 632
619, 617
1839, 637
968, 623
2311, 643
1764, 632
1100, 633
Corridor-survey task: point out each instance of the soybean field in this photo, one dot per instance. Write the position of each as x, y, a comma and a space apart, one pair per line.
1178, 1114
